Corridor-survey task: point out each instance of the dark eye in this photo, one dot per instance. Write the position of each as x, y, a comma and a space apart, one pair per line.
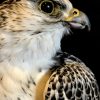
47, 6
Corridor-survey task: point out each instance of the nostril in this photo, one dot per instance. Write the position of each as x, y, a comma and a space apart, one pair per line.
74, 12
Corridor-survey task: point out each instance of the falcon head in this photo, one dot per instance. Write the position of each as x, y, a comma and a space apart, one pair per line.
31, 30
42, 14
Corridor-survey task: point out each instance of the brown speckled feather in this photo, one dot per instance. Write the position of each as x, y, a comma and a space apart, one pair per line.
72, 81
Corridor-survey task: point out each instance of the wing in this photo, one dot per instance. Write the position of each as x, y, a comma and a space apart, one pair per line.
71, 80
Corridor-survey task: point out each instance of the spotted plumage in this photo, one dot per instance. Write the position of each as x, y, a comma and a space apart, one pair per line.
30, 35
71, 80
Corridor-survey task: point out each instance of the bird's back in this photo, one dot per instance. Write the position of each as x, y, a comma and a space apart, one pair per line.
72, 80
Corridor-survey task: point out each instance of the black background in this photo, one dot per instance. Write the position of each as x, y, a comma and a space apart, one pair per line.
83, 44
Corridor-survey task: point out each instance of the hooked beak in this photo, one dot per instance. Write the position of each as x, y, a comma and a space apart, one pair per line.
77, 19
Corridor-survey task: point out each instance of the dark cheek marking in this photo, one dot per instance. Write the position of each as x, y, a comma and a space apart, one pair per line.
24, 90
18, 98
17, 30
37, 32
2, 39
32, 80
30, 95
5, 95
1, 78
28, 86
39, 70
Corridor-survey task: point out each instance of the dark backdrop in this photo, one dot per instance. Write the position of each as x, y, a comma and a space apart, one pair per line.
83, 44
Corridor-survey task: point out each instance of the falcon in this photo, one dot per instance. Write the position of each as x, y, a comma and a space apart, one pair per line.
30, 35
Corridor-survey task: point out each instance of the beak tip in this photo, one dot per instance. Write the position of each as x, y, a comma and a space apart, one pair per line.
88, 26
81, 21
87, 22
89, 29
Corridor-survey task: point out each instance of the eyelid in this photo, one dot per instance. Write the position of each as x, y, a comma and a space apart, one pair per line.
62, 5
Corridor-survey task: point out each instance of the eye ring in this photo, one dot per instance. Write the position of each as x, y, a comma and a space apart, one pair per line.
47, 6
